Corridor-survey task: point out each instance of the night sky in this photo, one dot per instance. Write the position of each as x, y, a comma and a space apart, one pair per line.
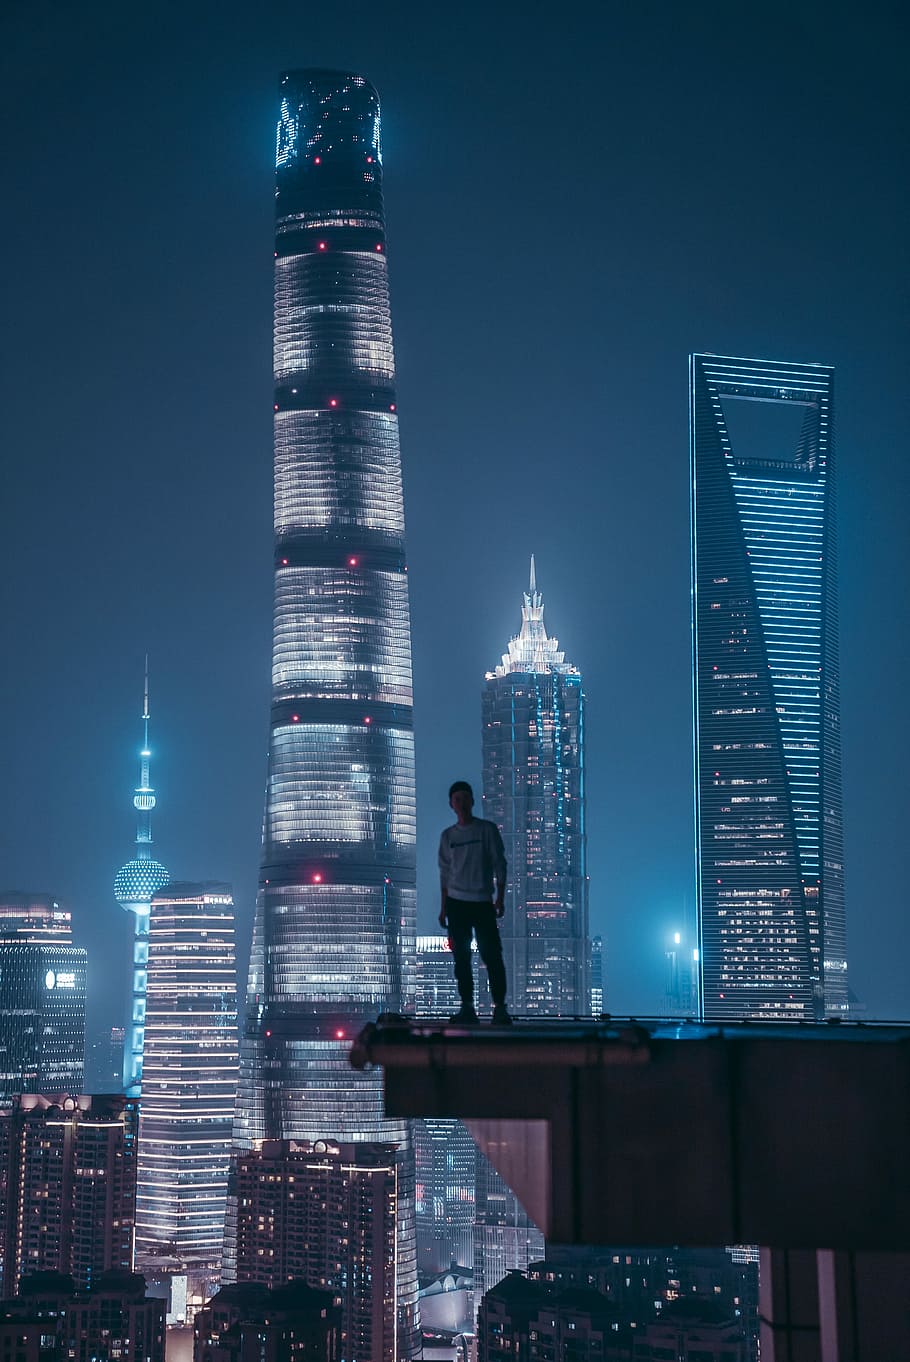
577, 196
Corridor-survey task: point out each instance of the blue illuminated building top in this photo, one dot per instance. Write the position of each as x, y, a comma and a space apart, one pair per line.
136, 882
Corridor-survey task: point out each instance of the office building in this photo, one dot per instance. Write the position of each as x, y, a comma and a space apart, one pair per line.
134, 886
436, 993
189, 1083
42, 1014
37, 919
505, 1237
250, 1323
680, 976
104, 1060
597, 976
444, 1151
327, 1214
67, 1186
766, 690
333, 939
533, 734
534, 790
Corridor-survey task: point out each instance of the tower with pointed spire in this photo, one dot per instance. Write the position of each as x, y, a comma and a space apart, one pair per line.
135, 884
533, 789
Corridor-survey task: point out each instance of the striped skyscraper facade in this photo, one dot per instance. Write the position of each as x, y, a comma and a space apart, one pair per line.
766, 690
333, 940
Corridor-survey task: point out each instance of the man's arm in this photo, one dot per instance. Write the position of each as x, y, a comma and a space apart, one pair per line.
445, 862
499, 871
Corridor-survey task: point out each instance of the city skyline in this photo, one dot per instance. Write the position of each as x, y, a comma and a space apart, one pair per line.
735, 281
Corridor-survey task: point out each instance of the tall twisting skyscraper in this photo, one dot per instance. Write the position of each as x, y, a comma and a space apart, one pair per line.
533, 789
767, 705
134, 885
333, 940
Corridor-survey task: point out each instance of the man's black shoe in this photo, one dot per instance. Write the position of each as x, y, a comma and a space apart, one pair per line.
465, 1016
501, 1015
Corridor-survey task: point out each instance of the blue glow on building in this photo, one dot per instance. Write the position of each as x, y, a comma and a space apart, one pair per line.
135, 885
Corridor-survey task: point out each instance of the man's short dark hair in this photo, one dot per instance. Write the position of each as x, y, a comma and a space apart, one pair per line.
460, 785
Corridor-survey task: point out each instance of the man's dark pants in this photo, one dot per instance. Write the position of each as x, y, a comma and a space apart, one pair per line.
463, 919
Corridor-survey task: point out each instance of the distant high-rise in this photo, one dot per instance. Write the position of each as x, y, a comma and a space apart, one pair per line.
42, 997
534, 790
680, 978
68, 1173
189, 1083
436, 993
444, 1151
333, 940
327, 1214
134, 885
533, 736
35, 918
766, 690
597, 975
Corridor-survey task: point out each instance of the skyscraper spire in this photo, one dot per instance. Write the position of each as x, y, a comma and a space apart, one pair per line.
530, 650
134, 886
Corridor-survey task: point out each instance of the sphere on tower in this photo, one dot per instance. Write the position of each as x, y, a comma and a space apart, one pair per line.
136, 883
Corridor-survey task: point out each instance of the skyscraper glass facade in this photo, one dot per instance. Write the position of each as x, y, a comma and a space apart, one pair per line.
766, 690
42, 1017
534, 790
189, 1082
444, 1151
333, 940
533, 713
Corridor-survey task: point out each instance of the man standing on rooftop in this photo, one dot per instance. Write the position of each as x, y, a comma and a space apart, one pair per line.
471, 858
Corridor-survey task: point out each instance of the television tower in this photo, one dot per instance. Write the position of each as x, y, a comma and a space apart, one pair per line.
135, 884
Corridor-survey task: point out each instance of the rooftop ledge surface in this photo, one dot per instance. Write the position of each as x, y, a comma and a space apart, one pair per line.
658, 1130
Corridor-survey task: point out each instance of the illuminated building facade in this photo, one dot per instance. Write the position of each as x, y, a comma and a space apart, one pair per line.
68, 1176
42, 1016
35, 918
189, 1083
333, 940
766, 690
444, 1151
534, 790
597, 975
134, 885
326, 1214
533, 714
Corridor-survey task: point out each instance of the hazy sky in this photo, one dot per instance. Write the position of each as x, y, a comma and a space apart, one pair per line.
577, 196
